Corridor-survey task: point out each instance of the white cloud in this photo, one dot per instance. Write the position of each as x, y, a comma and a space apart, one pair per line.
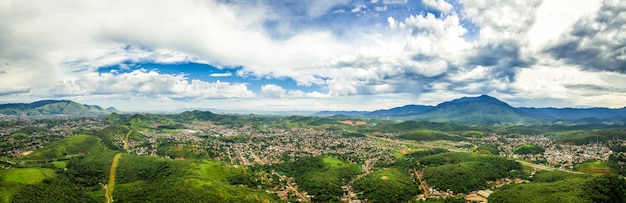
275, 91
149, 84
570, 85
395, 1
555, 18
427, 48
380, 8
54, 48
596, 42
501, 19
221, 74
358, 8
5, 91
440, 5
49, 40
271, 90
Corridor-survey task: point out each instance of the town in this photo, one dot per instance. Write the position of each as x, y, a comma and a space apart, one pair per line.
246, 146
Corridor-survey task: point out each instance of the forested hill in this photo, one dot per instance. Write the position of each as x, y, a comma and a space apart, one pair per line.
487, 110
53, 107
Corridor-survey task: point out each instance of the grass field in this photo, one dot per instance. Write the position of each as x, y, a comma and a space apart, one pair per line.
60, 164
399, 152
214, 170
27, 175
334, 162
595, 167
11, 181
67, 146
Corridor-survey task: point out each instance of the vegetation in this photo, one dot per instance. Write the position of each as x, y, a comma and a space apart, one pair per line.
488, 149
564, 187
425, 125
596, 167
69, 146
464, 172
13, 180
601, 135
320, 176
76, 168
528, 149
387, 185
52, 190
51, 107
180, 181
429, 135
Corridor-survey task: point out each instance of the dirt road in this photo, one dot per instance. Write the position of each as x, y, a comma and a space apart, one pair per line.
111, 185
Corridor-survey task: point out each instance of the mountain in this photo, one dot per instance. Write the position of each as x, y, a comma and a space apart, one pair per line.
345, 113
572, 114
401, 111
482, 110
487, 110
393, 112
53, 107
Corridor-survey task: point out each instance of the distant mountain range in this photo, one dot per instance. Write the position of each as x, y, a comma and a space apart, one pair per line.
487, 110
53, 107
481, 110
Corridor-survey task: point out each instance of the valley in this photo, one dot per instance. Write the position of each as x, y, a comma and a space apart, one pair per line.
200, 156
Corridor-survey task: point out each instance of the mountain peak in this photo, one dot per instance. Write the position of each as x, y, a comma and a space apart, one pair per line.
483, 109
482, 99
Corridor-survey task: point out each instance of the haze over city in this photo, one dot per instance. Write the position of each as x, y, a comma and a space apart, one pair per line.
312, 55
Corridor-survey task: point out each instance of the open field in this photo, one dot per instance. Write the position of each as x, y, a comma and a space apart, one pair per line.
11, 181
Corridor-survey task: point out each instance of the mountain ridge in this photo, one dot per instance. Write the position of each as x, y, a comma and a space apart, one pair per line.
53, 107
487, 110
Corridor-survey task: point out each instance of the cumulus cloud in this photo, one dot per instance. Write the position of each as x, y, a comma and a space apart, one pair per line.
557, 18
441, 5
275, 91
425, 52
522, 47
149, 84
272, 90
48, 37
598, 42
570, 85
501, 19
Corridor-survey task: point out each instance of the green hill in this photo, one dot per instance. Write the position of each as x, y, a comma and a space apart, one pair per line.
53, 107
78, 144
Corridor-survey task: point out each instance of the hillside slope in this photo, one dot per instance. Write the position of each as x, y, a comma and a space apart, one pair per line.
53, 107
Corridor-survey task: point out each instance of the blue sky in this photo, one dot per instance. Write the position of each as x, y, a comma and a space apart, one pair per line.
267, 55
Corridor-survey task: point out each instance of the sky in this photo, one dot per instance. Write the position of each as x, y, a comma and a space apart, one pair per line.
300, 55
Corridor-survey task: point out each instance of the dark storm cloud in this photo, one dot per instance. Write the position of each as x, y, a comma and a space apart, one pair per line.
503, 57
14, 91
597, 44
594, 88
